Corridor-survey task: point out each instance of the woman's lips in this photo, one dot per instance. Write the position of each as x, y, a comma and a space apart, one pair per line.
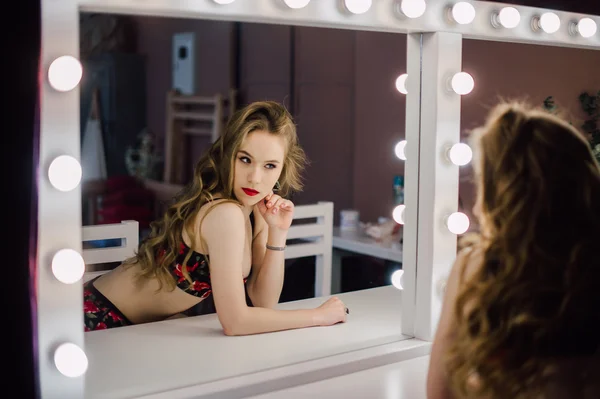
249, 191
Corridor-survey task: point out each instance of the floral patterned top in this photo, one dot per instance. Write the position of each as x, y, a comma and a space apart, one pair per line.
199, 273
197, 268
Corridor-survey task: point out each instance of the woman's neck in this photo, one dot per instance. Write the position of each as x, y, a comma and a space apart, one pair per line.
247, 210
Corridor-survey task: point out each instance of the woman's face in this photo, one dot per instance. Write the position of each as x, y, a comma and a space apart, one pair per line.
258, 165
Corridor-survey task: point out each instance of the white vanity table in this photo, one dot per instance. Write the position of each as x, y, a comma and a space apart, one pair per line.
191, 356
349, 242
403, 380
360, 243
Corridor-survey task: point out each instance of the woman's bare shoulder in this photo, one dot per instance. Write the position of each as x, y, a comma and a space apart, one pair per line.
220, 214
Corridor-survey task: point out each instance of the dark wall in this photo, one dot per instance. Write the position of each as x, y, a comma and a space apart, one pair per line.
339, 85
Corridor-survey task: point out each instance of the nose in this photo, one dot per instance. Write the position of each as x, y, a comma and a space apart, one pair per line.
254, 175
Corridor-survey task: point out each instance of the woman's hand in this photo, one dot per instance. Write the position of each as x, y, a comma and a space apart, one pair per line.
331, 312
277, 212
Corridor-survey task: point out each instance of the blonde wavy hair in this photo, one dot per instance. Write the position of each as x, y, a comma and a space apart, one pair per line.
534, 299
214, 174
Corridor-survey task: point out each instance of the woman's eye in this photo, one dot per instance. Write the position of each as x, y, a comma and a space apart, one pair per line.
245, 159
270, 166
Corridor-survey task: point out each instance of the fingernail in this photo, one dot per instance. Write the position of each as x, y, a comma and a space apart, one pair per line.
269, 204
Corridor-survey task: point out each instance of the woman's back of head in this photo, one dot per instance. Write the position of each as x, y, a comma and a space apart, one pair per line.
532, 303
533, 164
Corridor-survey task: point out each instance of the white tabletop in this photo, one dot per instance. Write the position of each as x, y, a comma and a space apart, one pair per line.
358, 242
154, 357
402, 380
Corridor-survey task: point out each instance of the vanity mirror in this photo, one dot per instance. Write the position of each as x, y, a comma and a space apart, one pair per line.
431, 192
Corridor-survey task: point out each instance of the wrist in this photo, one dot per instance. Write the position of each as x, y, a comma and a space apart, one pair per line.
277, 237
316, 318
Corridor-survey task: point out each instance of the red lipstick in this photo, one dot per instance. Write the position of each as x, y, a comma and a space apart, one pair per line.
250, 192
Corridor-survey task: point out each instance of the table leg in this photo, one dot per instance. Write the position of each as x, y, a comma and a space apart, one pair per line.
336, 269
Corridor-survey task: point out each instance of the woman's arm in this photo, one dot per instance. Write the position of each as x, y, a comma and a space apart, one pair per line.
437, 380
268, 266
176, 316
223, 231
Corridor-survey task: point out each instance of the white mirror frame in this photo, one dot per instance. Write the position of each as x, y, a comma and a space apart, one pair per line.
434, 49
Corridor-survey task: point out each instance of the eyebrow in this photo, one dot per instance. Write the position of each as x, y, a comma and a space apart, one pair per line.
248, 154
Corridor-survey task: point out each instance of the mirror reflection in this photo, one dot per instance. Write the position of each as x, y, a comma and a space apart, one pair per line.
534, 193
250, 167
552, 78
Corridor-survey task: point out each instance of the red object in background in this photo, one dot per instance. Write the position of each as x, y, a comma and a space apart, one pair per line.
117, 183
126, 199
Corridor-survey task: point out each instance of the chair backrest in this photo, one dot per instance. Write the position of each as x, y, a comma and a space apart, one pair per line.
308, 239
314, 239
127, 232
192, 116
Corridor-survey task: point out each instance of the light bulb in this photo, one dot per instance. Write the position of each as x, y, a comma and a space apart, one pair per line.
295, 4
400, 150
586, 27
358, 6
401, 83
398, 214
397, 279
508, 17
460, 154
68, 266
549, 22
462, 83
70, 360
458, 223
64, 73
463, 12
64, 173
223, 1
413, 8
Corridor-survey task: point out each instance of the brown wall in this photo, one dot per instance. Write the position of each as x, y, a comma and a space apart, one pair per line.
340, 87
213, 62
380, 114
265, 70
521, 71
324, 99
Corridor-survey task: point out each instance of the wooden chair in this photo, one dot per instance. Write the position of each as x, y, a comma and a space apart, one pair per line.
192, 116
314, 239
127, 231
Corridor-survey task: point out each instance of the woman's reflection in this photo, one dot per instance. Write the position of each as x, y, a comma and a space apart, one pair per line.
233, 212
